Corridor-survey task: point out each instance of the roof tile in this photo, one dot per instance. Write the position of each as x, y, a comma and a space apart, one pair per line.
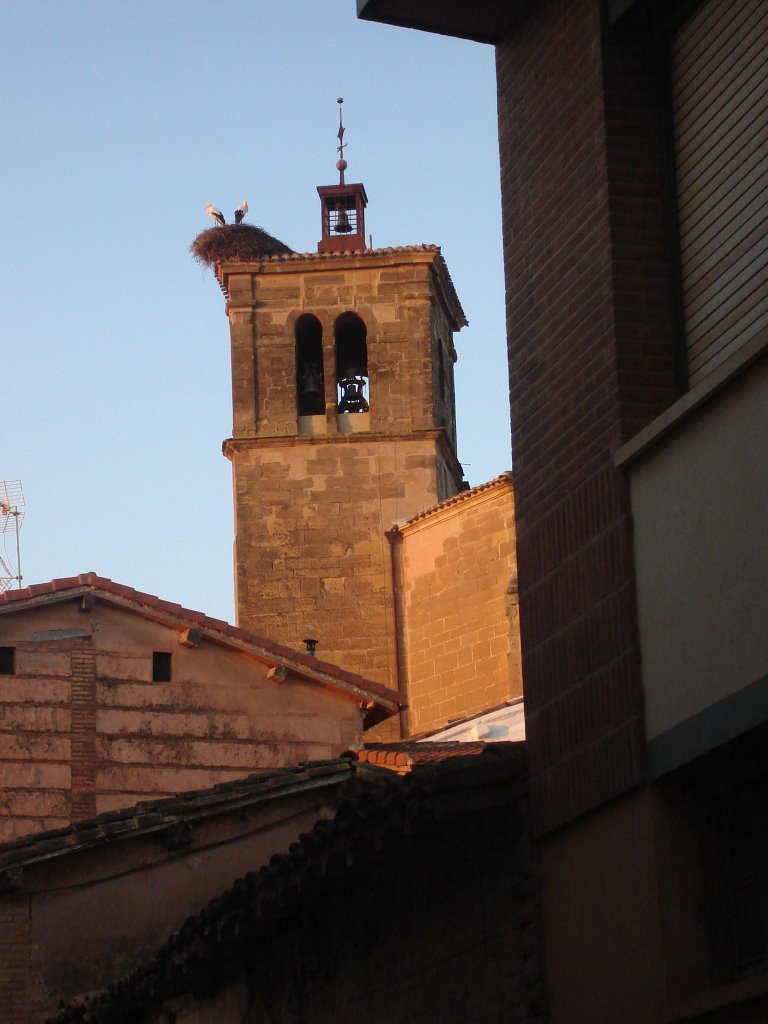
300, 660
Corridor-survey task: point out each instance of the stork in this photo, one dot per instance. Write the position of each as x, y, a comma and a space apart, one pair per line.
215, 215
241, 211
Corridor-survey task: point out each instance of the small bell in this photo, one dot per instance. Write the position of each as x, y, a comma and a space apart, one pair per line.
311, 382
342, 224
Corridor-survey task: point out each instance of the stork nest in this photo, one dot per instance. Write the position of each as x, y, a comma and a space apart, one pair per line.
241, 242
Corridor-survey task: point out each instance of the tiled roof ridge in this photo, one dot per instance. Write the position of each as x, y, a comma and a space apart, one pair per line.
456, 499
92, 581
383, 251
413, 755
377, 805
163, 812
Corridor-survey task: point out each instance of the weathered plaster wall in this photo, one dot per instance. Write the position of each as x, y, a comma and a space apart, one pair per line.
84, 729
457, 594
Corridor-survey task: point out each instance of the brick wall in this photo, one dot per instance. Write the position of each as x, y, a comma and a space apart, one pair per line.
591, 327
14, 960
461, 645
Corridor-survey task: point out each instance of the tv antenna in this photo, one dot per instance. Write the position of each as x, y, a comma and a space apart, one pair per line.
11, 517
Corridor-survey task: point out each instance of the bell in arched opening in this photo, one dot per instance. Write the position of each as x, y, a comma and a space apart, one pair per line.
351, 364
310, 383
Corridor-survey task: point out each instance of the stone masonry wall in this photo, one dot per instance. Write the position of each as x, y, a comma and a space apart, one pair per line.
455, 568
311, 555
311, 558
393, 294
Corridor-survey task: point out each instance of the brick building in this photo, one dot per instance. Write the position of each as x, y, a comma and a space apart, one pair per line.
109, 696
633, 167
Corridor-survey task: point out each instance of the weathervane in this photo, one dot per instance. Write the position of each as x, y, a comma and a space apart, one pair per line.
341, 163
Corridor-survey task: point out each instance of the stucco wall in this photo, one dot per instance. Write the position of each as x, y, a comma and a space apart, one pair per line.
458, 600
699, 501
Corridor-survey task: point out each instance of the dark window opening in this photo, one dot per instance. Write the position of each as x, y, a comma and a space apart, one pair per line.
441, 369
742, 817
351, 364
161, 667
310, 381
7, 661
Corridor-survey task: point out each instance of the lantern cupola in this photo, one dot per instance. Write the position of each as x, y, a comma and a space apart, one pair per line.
342, 207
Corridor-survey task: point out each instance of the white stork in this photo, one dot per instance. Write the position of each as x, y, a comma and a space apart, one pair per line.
241, 211
215, 215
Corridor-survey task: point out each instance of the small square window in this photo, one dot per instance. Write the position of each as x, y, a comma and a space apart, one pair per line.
7, 661
161, 667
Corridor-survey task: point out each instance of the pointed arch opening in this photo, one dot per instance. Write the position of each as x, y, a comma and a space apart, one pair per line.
351, 353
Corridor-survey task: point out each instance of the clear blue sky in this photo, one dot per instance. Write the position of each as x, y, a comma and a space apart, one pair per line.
120, 122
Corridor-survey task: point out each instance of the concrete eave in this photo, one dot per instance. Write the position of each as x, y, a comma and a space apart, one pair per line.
486, 22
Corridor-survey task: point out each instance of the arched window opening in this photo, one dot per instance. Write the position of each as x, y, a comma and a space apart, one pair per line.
351, 364
310, 383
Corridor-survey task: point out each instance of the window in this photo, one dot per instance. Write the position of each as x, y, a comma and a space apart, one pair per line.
351, 364
7, 661
310, 380
161, 667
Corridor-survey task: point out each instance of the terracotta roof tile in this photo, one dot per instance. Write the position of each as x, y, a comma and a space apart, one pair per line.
162, 814
375, 809
388, 700
406, 754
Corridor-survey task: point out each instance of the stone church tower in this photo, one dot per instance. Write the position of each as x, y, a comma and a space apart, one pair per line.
344, 422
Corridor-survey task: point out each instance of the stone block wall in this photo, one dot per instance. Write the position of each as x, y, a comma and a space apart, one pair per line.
312, 559
401, 299
457, 596
312, 505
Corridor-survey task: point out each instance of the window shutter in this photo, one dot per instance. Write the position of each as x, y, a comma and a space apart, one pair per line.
719, 70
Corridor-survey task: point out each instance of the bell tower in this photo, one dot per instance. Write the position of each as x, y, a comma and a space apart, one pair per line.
344, 422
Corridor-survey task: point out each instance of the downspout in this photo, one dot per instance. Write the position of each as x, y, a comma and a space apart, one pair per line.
395, 538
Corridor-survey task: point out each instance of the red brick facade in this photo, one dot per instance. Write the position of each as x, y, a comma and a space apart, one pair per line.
591, 345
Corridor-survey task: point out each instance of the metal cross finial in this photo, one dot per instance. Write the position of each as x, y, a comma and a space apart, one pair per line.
341, 163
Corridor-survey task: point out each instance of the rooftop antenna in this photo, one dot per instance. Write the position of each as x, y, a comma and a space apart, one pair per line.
11, 517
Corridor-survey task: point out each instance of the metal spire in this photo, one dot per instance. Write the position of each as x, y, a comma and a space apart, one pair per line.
341, 163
